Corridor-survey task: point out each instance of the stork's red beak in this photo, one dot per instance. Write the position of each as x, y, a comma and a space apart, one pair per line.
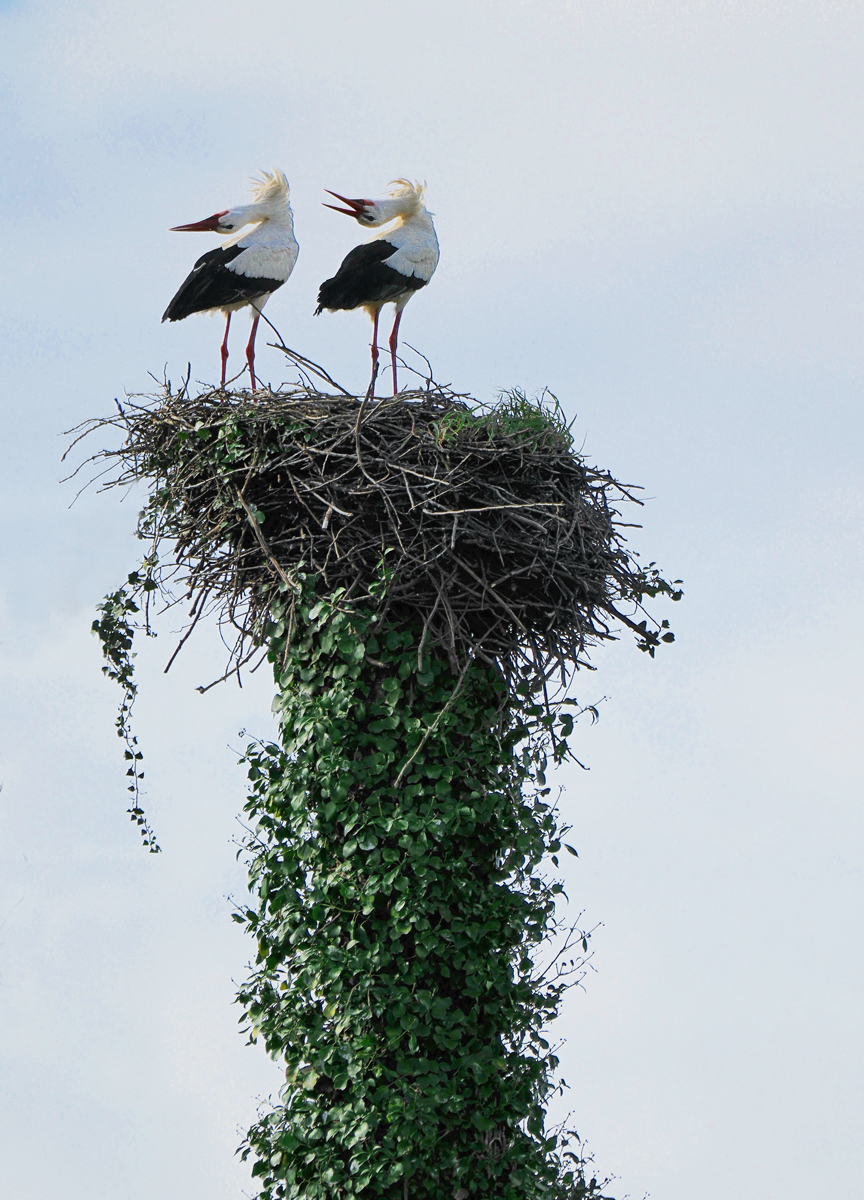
356, 207
211, 225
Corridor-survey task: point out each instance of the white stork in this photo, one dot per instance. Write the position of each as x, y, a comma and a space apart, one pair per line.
247, 268
390, 268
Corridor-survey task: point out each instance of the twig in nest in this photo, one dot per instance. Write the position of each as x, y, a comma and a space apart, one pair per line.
253, 521
301, 359
185, 638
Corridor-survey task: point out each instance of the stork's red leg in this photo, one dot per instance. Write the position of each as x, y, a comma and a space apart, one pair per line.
225, 350
371, 391
250, 350
394, 341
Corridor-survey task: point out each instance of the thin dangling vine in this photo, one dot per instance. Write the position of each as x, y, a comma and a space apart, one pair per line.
115, 627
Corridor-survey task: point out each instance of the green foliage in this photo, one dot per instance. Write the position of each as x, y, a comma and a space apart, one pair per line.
647, 581
115, 628
396, 847
541, 421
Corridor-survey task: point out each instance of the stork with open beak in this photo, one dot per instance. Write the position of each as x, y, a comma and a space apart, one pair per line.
390, 268
246, 269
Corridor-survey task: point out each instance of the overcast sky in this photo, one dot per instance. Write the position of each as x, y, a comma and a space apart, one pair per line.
654, 209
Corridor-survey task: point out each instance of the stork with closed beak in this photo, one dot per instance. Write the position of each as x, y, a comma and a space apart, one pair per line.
246, 269
390, 268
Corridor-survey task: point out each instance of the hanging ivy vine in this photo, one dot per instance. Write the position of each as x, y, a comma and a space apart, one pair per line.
115, 627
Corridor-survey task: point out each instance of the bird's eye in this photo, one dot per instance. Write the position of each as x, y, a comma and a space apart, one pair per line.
228, 225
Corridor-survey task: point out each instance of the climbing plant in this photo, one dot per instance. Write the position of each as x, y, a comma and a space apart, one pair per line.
398, 833
115, 627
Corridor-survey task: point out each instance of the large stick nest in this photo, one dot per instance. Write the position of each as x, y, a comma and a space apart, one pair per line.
494, 535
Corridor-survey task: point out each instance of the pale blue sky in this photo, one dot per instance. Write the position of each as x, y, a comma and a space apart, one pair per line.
651, 208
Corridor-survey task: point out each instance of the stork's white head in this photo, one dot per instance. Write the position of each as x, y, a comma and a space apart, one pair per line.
405, 201
269, 202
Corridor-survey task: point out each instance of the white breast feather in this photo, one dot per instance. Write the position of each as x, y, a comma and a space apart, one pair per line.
417, 249
265, 262
418, 261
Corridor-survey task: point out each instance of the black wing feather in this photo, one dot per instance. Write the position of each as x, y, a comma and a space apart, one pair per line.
211, 285
364, 278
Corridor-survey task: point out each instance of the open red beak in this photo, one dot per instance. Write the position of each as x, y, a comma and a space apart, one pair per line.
356, 207
211, 225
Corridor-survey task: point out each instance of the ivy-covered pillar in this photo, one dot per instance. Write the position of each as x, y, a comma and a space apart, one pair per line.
395, 854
